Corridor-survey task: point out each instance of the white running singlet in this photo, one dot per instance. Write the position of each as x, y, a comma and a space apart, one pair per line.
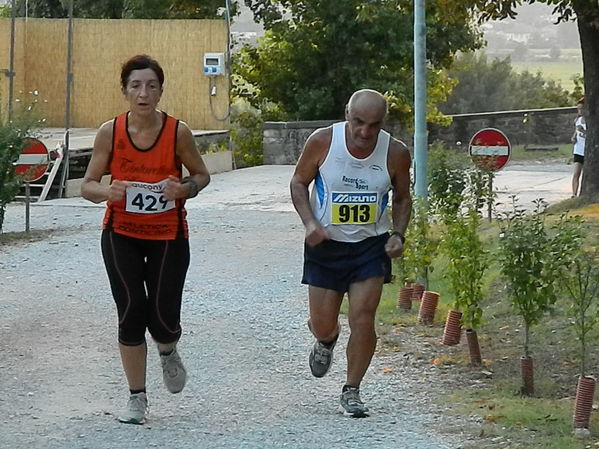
350, 195
580, 137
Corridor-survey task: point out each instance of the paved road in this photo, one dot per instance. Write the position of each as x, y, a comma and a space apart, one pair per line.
245, 341
533, 180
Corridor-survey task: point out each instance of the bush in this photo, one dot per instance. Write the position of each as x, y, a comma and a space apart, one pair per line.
12, 142
420, 249
246, 131
447, 179
246, 135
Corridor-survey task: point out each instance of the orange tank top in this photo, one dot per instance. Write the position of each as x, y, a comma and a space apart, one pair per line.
144, 213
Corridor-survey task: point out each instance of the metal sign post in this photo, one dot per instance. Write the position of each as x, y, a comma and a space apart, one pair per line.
67, 116
27, 201
420, 128
490, 205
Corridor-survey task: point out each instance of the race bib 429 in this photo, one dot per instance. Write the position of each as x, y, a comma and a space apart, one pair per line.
146, 198
354, 208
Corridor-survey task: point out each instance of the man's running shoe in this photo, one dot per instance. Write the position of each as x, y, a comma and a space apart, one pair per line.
321, 357
173, 371
352, 404
136, 411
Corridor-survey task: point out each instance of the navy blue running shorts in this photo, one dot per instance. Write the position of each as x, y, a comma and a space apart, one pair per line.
335, 265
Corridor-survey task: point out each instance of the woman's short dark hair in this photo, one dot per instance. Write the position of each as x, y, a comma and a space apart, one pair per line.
140, 62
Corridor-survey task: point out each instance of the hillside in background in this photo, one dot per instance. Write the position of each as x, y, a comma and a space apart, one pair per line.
534, 42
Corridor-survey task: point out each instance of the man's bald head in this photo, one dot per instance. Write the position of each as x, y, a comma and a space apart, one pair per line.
367, 99
365, 114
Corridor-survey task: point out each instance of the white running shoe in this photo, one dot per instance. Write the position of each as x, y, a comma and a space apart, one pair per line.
173, 371
136, 411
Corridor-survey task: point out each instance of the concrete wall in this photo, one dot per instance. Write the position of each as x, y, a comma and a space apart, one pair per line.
283, 141
215, 163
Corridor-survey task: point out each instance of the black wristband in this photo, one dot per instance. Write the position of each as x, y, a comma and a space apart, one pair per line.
194, 187
400, 235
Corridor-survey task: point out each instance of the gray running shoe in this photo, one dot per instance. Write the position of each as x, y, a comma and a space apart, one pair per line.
173, 371
352, 404
321, 357
136, 411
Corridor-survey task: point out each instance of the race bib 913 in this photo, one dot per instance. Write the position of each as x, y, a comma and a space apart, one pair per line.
146, 198
354, 208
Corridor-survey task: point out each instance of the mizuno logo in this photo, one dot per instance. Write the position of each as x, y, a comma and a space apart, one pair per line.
354, 198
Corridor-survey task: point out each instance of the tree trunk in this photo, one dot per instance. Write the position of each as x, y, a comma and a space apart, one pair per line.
526, 339
588, 27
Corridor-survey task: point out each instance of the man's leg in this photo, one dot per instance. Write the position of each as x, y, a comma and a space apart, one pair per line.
324, 325
364, 297
324, 313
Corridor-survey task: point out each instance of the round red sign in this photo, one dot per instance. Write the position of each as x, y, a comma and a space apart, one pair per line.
33, 160
490, 149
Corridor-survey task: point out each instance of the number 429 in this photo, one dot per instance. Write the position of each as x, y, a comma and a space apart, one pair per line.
149, 203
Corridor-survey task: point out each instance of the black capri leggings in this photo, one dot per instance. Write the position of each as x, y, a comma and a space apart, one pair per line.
146, 279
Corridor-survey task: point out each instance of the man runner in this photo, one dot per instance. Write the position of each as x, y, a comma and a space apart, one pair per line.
354, 166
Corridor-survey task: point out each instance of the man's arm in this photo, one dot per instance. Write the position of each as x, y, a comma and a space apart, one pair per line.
401, 202
312, 156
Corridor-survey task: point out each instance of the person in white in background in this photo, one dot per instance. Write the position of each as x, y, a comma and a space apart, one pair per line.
578, 139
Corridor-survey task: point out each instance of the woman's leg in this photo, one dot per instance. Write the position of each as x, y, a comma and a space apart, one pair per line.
124, 261
165, 277
576, 178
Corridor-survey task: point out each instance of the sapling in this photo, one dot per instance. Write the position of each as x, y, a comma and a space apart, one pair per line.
532, 255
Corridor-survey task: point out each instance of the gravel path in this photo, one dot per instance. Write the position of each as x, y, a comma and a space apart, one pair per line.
245, 342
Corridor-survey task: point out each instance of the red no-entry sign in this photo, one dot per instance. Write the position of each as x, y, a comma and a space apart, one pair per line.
490, 149
33, 161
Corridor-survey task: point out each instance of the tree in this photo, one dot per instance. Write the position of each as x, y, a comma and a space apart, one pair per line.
467, 262
315, 54
484, 86
532, 255
520, 52
586, 13
582, 287
125, 9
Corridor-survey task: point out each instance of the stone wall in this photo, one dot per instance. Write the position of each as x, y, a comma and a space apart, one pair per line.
283, 141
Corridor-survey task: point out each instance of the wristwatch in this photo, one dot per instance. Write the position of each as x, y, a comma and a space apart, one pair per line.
400, 235
194, 187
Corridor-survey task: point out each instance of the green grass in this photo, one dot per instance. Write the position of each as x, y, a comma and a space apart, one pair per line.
559, 71
541, 422
11, 238
563, 153
529, 423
